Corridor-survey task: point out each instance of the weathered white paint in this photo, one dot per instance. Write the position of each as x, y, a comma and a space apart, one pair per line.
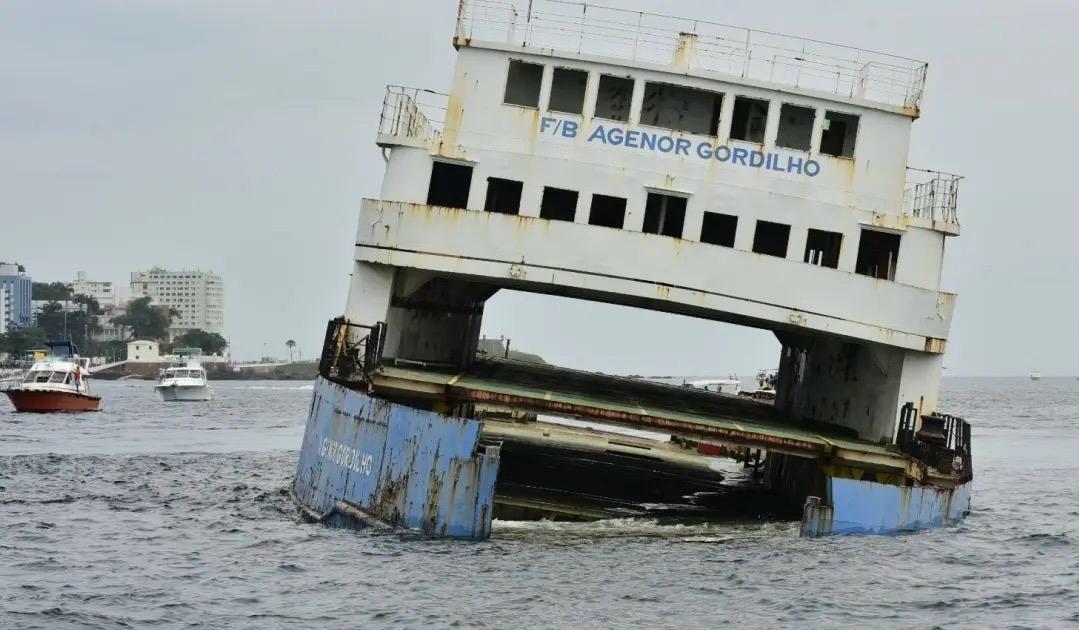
855, 348
661, 272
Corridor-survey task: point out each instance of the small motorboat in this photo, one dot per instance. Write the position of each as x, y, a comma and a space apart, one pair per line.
59, 382
185, 380
1035, 375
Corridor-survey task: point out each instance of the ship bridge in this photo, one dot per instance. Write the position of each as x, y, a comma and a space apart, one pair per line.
674, 165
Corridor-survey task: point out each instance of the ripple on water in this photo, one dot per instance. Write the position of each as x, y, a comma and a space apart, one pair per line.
149, 514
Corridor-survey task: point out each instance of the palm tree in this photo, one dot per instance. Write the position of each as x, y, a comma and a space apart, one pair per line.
290, 344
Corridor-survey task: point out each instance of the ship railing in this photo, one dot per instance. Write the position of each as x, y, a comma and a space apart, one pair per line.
413, 113
350, 352
932, 195
939, 440
584, 28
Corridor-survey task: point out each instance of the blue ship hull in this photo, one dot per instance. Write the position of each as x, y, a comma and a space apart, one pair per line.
372, 460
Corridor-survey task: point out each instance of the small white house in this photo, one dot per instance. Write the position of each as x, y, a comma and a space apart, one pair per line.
143, 351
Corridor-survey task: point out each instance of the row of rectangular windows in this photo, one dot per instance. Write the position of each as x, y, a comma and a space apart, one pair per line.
664, 214
681, 108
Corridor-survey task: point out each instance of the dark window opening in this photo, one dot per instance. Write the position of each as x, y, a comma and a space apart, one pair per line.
822, 248
607, 211
503, 195
664, 214
558, 204
749, 119
567, 91
795, 127
449, 185
771, 238
523, 84
613, 97
718, 229
878, 253
839, 134
681, 108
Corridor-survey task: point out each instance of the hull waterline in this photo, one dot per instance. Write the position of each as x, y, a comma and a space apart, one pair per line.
47, 402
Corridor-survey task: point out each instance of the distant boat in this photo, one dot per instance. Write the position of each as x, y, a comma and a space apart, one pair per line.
730, 385
184, 380
1035, 375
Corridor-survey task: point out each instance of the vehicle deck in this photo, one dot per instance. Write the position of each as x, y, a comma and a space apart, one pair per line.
682, 411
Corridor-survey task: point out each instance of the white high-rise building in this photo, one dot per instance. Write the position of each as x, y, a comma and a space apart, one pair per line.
3, 309
101, 291
197, 296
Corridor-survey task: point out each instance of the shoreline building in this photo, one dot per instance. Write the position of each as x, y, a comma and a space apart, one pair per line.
661, 163
103, 292
16, 296
3, 309
197, 296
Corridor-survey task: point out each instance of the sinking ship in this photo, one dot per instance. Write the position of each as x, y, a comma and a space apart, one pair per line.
627, 157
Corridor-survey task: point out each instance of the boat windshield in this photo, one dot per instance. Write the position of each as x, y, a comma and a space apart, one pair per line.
58, 377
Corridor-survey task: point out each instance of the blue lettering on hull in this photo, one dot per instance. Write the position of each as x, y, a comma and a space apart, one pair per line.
406, 467
615, 136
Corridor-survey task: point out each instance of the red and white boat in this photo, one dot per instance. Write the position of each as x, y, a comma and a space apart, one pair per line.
59, 382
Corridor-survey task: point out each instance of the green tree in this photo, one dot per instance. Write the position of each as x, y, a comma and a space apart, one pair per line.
20, 341
210, 343
144, 320
77, 326
290, 344
54, 291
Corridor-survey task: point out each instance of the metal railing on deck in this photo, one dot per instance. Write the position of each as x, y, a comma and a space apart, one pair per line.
932, 195
941, 441
351, 351
655, 38
413, 113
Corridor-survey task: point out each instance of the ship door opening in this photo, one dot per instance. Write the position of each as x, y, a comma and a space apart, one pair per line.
771, 238
664, 214
822, 248
607, 211
749, 120
878, 253
503, 195
449, 185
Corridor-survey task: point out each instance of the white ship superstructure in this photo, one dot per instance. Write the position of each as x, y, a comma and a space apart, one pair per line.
679, 166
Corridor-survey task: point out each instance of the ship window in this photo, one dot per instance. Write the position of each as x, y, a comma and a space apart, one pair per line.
523, 84
607, 211
822, 248
503, 195
749, 119
567, 91
795, 127
43, 377
771, 238
718, 229
558, 204
839, 133
57, 377
664, 214
449, 185
878, 253
613, 97
681, 108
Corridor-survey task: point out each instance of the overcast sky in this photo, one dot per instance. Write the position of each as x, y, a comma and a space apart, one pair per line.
239, 137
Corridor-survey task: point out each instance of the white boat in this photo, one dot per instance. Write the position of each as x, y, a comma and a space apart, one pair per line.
1035, 375
730, 385
185, 380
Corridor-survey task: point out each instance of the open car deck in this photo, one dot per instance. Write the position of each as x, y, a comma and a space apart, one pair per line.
684, 412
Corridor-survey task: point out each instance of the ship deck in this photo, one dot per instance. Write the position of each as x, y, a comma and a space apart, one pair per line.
684, 412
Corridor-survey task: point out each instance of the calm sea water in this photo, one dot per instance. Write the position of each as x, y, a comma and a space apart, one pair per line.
155, 515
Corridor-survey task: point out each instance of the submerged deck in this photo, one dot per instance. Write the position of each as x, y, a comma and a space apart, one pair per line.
680, 411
